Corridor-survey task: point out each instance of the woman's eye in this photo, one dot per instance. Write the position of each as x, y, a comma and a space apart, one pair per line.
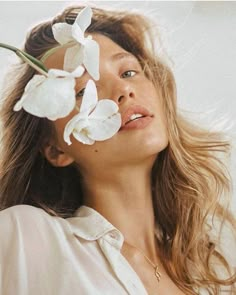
80, 93
128, 74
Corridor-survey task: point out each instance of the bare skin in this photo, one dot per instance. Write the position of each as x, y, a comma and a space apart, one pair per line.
116, 172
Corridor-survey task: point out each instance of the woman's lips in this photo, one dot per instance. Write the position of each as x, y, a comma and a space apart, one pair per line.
137, 123
135, 117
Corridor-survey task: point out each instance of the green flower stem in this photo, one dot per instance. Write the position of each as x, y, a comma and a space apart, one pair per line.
49, 52
32, 64
54, 49
35, 61
8, 47
27, 58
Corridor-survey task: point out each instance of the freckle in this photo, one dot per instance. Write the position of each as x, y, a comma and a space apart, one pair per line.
96, 151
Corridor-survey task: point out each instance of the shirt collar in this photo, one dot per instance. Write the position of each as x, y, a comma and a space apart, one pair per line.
90, 225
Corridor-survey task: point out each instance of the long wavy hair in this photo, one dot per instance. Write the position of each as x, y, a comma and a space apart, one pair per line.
189, 178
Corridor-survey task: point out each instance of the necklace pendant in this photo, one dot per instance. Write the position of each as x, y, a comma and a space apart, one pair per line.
157, 274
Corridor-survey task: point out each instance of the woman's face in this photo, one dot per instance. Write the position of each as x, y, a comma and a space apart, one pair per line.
122, 80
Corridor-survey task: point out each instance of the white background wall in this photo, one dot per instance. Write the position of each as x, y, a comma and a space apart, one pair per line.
199, 36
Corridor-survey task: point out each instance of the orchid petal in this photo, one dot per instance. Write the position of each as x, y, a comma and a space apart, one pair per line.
54, 73
102, 123
90, 97
62, 100
104, 108
67, 132
52, 98
77, 34
18, 106
82, 136
104, 129
72, 124
62, 33
84, 18
78, 72
73, 57
29, 88
91, 58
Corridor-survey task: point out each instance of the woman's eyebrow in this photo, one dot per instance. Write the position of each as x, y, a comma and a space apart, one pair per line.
116, 57
121, 55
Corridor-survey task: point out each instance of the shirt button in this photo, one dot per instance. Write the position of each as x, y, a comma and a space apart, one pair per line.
114, 235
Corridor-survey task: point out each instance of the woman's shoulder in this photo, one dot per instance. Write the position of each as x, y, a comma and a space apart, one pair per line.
21, 209
31, 243
22, 214
31, 230
26, 221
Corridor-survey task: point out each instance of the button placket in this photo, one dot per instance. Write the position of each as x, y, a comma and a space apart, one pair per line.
126, 275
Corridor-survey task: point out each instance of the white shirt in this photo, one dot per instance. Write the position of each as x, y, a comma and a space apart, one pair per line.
45, 255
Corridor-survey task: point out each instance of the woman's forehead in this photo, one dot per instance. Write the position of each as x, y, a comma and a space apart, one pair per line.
108, 50
56, 59
111, 50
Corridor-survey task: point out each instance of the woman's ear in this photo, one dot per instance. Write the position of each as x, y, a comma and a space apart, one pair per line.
56, 156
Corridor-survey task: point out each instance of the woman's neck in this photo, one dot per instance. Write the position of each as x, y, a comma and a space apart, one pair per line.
125, 200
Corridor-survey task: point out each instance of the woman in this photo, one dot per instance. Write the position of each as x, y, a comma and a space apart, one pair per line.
132, 214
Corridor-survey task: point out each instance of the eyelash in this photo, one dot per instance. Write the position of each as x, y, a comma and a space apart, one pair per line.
81, 92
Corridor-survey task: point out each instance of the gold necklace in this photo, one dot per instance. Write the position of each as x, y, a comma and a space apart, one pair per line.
155, 266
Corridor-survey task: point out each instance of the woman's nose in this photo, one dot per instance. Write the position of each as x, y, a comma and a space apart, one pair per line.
122, 91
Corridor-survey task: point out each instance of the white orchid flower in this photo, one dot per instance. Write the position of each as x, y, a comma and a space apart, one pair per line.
97, 120
51, 96
86, 50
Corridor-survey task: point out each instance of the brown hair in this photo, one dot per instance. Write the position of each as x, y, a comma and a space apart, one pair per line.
189, 178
